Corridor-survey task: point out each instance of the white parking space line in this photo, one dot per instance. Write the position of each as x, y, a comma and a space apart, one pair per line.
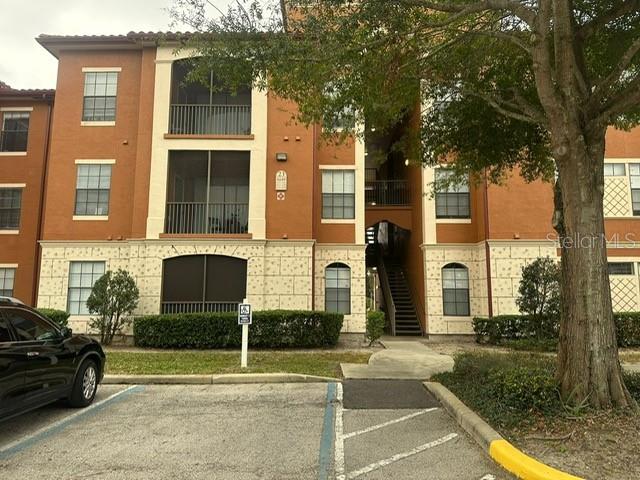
29, 440
386, 424
339, 441
399, 456
488, 477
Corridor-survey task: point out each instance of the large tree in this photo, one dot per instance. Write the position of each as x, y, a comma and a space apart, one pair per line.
532, 84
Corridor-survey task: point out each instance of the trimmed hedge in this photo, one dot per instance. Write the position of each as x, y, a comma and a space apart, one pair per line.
270, 329
523, 329
513, 327
58, 316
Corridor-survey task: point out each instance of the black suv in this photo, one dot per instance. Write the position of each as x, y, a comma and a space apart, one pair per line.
41, 362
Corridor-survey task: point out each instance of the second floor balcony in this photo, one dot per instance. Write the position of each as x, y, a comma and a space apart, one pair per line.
385, 192
208, 193
206, 108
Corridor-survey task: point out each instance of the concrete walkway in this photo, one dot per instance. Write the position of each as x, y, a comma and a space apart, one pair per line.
401, 359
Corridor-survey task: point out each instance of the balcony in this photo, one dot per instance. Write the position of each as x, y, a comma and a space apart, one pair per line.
194, 119
207, 193
387, 193
207, 107
206, 218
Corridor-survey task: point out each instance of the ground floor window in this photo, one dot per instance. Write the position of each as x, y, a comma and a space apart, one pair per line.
337, 289
455, 290
82, 277
7, 278
203, 283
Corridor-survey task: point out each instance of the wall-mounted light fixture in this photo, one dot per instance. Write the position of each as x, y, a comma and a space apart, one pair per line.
281, 157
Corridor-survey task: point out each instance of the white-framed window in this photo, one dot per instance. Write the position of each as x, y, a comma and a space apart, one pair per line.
15, 131
452, 197
337, 288
338, 194
93, 187
7, 280
620, 268
100, 93
614, 170
10, 205
82, 277
634, 180
455, 290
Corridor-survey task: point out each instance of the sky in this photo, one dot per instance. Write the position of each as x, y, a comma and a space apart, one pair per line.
25, 64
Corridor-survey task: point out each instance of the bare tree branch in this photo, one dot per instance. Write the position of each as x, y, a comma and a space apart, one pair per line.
619, 9
461, 9
503, 106
623, 101
626, 59
502, 36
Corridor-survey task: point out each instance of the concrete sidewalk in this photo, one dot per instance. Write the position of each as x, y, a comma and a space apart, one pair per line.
401, 359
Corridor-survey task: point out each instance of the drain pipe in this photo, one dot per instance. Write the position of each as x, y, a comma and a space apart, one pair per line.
486, 244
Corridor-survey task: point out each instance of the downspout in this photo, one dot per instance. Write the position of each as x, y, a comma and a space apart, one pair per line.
486, 244
39, 228
314, 177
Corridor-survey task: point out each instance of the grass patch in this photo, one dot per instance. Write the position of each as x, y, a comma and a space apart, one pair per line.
514, 389
325, 364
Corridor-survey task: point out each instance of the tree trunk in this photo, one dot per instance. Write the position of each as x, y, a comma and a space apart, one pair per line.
588, 366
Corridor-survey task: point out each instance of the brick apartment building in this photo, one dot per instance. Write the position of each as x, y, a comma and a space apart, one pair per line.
207, 198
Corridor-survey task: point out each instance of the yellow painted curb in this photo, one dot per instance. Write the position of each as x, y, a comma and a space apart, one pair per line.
522, 465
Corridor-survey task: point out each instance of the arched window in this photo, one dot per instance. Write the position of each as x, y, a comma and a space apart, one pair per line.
337, 288
455, 290
203, 283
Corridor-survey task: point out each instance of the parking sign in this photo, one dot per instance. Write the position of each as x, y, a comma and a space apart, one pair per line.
244, 314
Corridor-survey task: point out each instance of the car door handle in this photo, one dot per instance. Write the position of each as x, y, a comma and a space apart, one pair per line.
33, 354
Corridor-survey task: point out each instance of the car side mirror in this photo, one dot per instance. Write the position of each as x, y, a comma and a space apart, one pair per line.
66, 332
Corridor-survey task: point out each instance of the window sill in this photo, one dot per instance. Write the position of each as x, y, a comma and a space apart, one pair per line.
230, 236
339, 220
13, 154
97, 124
176, 136
9, 232
454, 220
91, 217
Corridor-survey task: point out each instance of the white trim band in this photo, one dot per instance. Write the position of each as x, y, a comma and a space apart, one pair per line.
16, 109
95, 161
101, 69
13, 185
91, 217
8, 265
13, 154
97, 124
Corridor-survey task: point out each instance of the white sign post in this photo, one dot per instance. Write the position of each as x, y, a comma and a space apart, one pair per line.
244, 319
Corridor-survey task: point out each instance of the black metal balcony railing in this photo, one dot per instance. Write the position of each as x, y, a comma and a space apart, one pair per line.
387, 192
210, 119
203, 218
198, 307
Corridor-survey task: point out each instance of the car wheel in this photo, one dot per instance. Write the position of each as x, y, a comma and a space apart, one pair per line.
84, 385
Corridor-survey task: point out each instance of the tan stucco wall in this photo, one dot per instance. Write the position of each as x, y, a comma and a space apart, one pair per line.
279, 273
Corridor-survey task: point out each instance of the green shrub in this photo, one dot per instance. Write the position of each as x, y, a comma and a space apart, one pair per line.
539, 290
60, 317
632, 381
270, 329
506, 389
375, 326
543, 333
628, 329
511, 327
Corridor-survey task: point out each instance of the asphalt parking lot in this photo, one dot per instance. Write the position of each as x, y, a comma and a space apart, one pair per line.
364, 429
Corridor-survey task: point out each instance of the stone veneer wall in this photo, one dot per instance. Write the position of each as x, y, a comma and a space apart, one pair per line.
436, 257
507, 260
279, 273
354, 257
